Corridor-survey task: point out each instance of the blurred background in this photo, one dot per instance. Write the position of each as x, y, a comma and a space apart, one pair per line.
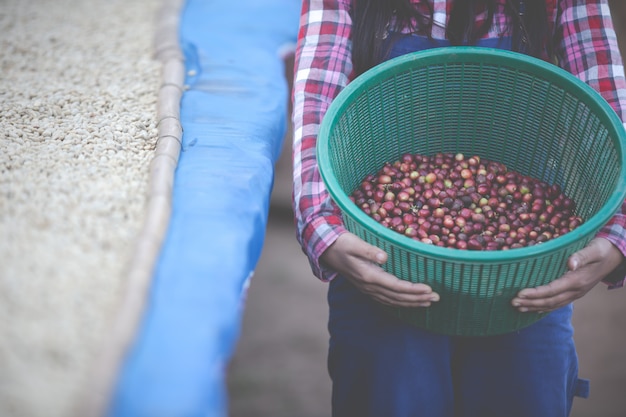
279, 367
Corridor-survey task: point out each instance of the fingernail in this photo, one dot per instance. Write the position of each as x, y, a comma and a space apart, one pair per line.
516, 303
574, 264
434, 298
523, 310
380, 257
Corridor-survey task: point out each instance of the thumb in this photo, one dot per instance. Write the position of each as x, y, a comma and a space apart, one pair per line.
583, 257
375, 254
368, 251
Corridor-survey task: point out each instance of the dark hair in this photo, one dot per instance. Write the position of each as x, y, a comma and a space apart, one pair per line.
371, 20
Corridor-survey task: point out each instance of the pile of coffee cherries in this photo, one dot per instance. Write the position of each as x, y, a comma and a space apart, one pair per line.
460, 202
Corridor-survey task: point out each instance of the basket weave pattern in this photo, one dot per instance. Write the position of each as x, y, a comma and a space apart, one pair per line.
503, 106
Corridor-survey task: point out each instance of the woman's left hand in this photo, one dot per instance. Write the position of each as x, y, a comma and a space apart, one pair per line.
587, 267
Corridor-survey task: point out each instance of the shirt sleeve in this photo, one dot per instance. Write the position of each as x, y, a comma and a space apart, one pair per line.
322, 66
586, 46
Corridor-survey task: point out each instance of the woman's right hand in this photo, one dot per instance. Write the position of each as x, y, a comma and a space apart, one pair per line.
360, 262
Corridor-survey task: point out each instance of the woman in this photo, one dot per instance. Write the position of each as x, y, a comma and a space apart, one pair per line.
383, 367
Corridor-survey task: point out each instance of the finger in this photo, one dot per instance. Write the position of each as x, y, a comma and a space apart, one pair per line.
362, 268
574, 280
407, 287
544, 291
376, 276
546, 297
401, 300
391, 290
403, 304
556, 294
408, 297
361, 248
591, 253
544, 304
599, 253
405, 300
381, 281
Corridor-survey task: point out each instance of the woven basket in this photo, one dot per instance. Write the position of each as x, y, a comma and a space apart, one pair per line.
530, 115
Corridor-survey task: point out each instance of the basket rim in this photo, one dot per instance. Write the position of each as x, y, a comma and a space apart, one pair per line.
460, 54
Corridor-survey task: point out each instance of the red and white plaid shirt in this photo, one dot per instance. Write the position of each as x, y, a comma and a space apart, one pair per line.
586, 47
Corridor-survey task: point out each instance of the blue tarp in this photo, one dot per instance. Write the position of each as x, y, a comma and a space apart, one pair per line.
234, 121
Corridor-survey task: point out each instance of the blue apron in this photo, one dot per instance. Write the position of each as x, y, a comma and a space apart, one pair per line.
382, 367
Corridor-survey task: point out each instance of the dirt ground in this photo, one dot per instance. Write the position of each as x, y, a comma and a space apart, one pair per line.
279, 367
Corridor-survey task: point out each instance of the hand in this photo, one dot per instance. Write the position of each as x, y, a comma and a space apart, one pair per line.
360, 262
587, 267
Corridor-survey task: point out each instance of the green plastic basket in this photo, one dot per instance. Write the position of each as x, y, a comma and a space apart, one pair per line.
504, 106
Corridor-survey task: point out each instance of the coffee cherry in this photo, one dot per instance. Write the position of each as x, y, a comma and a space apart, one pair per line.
470, 203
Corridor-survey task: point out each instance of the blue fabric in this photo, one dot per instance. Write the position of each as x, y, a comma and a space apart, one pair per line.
404, 44
381, 366
234, 120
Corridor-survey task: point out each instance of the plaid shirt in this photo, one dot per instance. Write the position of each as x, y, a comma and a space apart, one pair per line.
586, 47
